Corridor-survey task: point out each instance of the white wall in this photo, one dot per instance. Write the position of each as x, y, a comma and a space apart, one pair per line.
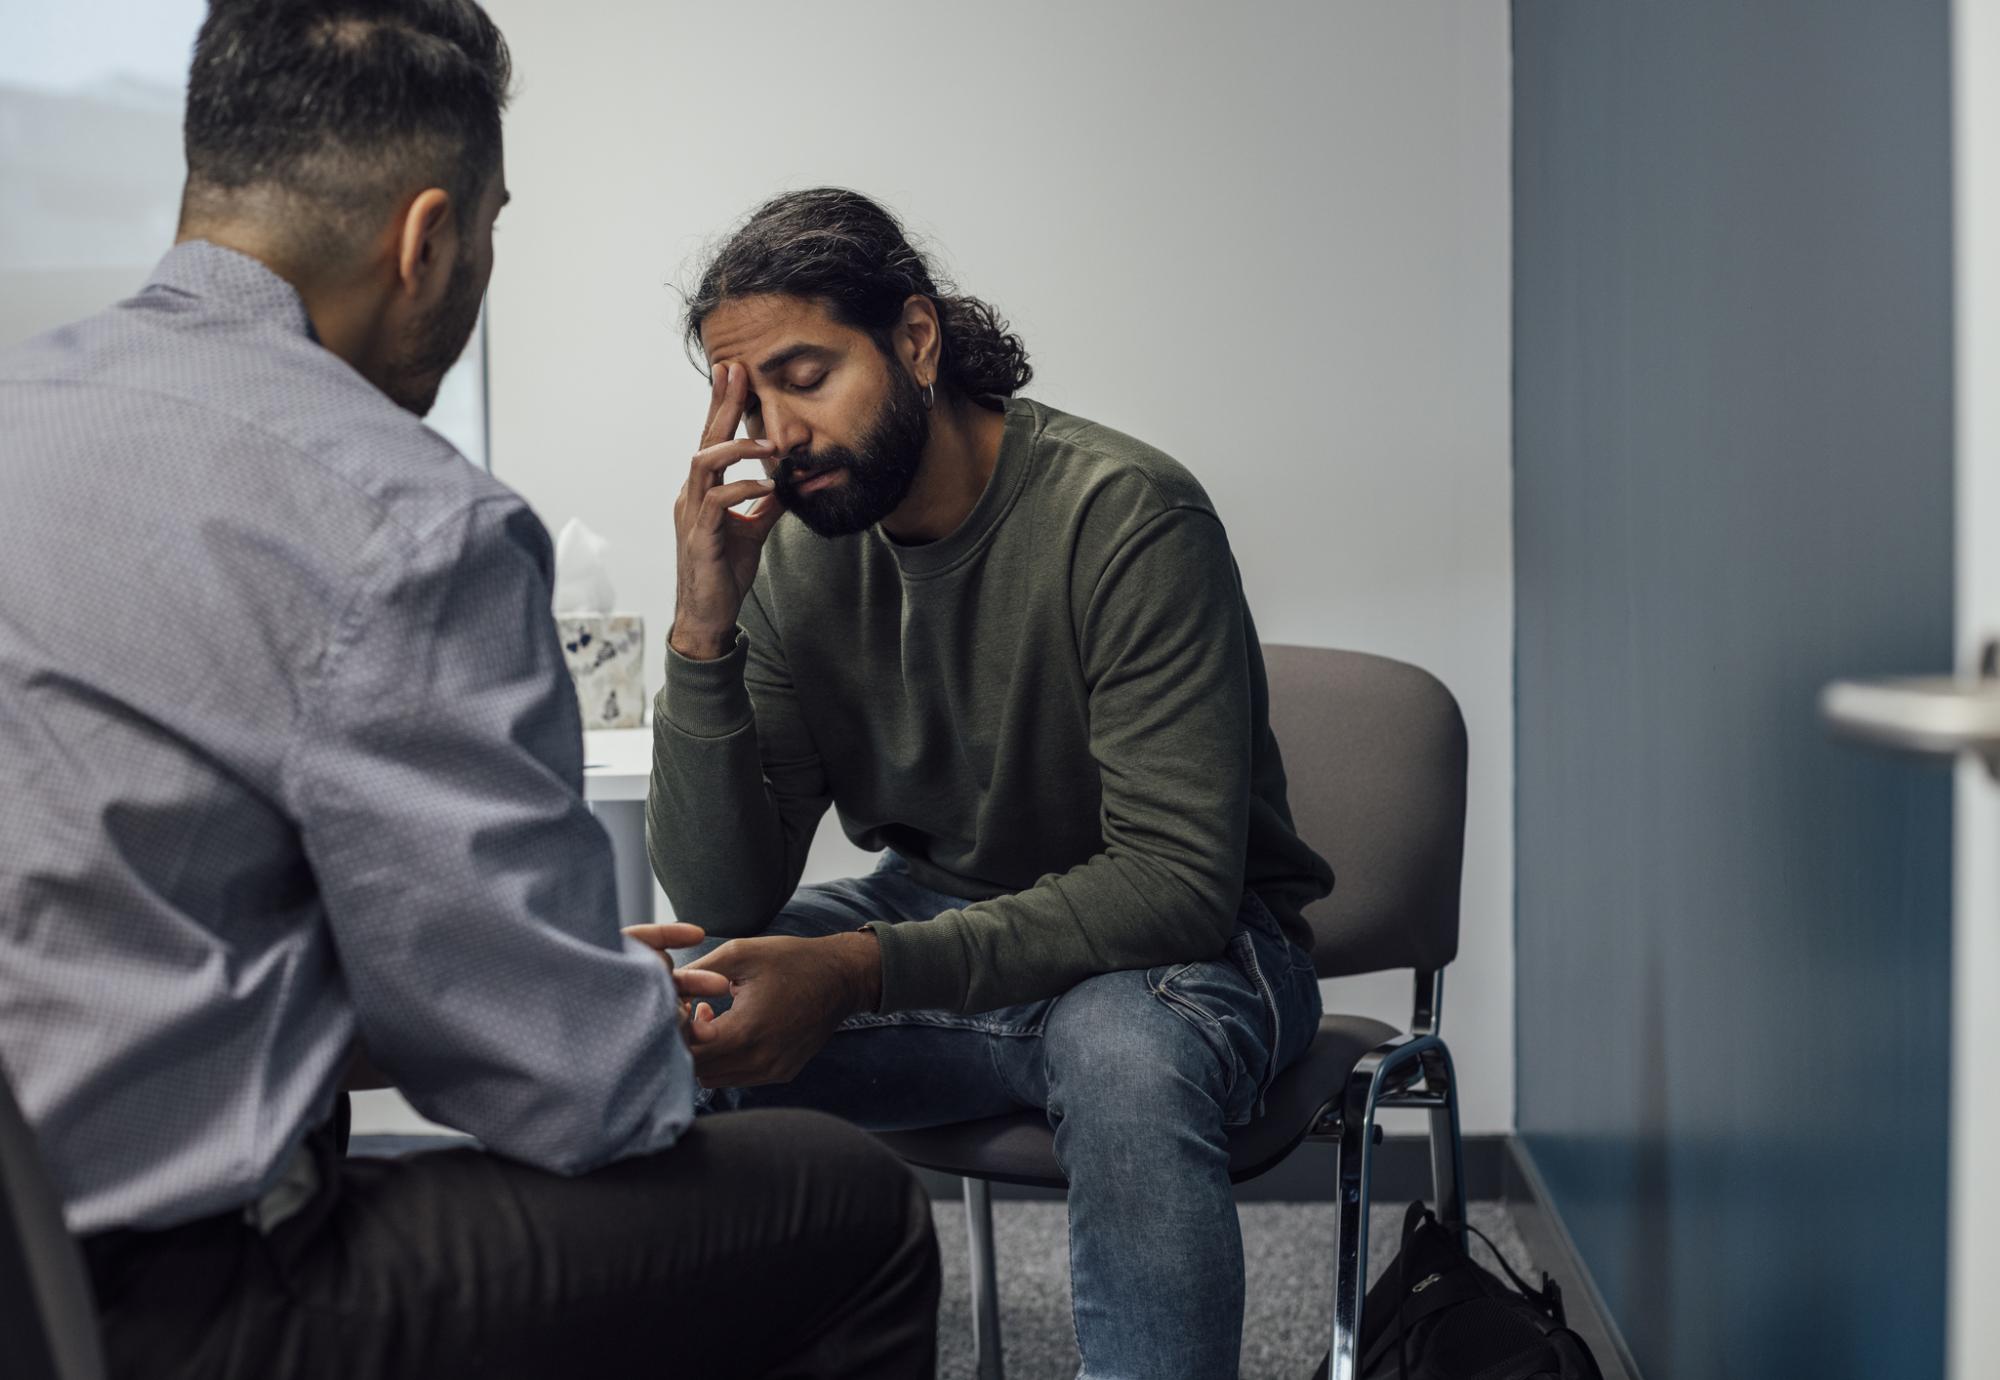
1973, 1325
1270, 238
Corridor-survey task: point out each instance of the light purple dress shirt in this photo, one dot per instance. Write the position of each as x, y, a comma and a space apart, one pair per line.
288, 758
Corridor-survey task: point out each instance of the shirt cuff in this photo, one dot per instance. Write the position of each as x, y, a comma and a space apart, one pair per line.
706, 699
923, 963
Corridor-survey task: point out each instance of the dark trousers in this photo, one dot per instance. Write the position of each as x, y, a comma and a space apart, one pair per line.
780, 1244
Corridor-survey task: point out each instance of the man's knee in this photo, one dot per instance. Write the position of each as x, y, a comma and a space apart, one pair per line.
1118, 1051
857, 1267
859, 1194
840, 1175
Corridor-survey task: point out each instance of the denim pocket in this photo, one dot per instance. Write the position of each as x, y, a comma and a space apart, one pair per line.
1258, 1005
1288, 978
1243, 949
1228, 1009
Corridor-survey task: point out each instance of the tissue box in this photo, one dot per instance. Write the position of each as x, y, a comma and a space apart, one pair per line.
606, 653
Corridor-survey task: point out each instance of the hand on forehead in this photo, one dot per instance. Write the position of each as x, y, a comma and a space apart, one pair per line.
766, 332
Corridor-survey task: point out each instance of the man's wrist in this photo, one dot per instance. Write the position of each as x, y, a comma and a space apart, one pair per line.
863, 958
698, 646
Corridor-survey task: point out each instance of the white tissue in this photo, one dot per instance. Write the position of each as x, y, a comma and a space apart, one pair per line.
583, 585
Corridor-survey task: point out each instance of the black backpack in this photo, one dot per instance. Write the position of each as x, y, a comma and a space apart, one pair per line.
1436, 1315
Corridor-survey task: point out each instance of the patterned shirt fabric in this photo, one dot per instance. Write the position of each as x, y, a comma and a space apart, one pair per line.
288, 758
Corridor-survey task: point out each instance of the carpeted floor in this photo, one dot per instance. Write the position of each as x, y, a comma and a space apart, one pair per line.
1288, 1248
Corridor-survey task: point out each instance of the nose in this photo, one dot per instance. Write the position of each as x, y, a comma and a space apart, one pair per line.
785, 431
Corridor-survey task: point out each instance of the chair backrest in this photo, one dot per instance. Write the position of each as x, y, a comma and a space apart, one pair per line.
48, 1321
1374, 754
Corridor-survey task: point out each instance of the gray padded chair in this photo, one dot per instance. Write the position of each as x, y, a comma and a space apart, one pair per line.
1374, 751
48, 1320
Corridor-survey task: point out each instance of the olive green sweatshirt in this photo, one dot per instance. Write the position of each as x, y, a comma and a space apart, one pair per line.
1057, 712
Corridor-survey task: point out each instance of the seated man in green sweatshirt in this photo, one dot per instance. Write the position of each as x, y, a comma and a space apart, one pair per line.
1010, 648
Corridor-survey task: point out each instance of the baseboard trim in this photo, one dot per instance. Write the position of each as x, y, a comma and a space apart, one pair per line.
1552, 1249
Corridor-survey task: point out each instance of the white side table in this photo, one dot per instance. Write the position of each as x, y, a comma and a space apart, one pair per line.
617, 763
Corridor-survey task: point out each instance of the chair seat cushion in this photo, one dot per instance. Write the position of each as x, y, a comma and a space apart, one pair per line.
1020, 1148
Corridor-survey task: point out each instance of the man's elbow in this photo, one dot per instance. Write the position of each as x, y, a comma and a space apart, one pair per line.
1206, 923
654, 1124
1217, 912
1217, 927
574, 1161
721, 924
721, 914
1195, 909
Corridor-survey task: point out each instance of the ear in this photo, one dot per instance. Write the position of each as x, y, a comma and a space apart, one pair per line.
428, 243
920, 338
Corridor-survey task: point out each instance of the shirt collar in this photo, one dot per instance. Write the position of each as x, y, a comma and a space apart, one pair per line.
233, 282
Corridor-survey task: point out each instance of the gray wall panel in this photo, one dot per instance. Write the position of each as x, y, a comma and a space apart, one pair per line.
1733, 482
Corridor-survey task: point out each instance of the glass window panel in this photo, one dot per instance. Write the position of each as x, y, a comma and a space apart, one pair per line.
91, 171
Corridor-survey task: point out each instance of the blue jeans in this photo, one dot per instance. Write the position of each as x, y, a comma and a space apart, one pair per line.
1140, 1073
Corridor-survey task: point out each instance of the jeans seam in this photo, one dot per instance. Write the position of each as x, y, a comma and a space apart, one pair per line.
1000, 1074
1075, 1329
1270, 997
1193, 1010
1212, 1034
941, 1021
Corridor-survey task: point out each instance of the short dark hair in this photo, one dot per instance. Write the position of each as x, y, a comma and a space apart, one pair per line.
345, 104
841, 249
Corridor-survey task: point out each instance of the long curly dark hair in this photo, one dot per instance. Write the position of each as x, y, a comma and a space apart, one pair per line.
847, 251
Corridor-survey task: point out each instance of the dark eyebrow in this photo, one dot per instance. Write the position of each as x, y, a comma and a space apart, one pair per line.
773, 363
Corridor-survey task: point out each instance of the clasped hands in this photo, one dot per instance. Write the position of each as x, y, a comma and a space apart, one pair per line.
787, 996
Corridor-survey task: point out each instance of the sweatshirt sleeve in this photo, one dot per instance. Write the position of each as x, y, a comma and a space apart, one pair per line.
1166, 671
737, 789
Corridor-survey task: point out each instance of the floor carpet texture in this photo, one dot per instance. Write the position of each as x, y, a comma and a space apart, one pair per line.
1288, 1248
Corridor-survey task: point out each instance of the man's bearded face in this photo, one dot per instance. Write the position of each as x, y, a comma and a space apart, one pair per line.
837, 491
436, 340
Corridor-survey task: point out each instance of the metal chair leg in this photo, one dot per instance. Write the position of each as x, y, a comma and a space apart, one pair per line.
1447, 1144
1381, 1079
1353, 1157
986, 1361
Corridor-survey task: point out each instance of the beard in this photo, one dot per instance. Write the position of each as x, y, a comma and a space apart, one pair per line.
879, 475
436, 341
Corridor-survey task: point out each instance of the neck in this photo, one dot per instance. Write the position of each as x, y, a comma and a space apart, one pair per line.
347, 321
958, 463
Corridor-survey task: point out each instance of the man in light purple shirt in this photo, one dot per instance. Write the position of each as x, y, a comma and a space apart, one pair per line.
290, 765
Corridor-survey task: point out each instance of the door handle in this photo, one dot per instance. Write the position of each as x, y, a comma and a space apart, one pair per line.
1935, 715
